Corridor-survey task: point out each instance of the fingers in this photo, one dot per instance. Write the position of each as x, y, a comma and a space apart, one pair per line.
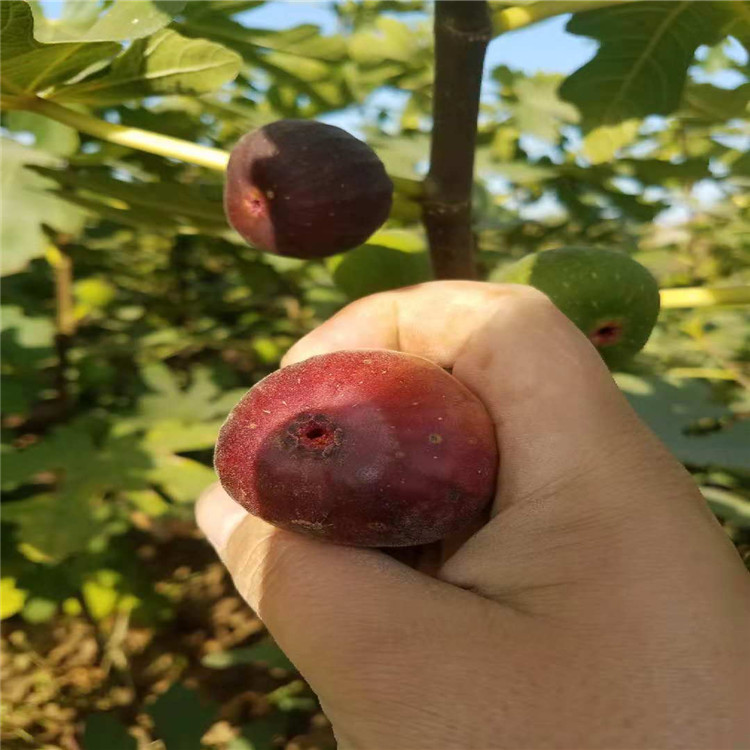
432, 320
577, 467
554, 404
330, 606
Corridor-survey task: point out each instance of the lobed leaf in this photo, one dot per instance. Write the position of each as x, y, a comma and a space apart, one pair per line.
641, 66
29, 66
165, 63
101, 21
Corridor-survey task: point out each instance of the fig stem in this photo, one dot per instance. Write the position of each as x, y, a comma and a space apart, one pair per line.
144, 140
462, 31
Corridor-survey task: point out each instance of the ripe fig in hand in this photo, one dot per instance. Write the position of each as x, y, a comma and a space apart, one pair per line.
612, 298
372, 448
305, 189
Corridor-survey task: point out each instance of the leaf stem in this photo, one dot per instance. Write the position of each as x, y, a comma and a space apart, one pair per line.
144, 140
462, 32
698, 296
520, 16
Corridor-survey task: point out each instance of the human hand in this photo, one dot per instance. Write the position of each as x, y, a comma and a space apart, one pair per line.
601, 606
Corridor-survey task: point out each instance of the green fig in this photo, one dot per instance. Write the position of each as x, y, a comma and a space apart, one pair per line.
612, 298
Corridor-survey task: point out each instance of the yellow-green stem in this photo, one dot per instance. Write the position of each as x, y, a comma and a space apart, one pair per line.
519, 16
697, 296
144, 140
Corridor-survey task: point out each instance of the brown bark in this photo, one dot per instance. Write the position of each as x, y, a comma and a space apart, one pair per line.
462, 32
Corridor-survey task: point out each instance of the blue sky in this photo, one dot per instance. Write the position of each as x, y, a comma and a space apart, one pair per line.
543, 47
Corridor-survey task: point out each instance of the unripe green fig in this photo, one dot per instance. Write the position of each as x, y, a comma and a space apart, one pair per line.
305, 189
612, 298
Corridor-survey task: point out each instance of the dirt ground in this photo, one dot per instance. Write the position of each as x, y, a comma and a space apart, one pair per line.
57, 673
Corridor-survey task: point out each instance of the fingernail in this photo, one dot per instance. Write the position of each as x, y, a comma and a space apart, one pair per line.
218, 516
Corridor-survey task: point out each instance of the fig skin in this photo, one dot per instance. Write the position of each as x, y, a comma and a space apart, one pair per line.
611, 297
371, 448
305, 189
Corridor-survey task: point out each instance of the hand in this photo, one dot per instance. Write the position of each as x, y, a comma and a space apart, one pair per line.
601, 606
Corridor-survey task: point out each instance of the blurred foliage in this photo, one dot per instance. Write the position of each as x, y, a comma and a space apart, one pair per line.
118, 625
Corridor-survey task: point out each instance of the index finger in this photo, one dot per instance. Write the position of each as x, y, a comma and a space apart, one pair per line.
432, 320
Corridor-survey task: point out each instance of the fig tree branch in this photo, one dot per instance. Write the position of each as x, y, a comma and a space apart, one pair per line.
462, 32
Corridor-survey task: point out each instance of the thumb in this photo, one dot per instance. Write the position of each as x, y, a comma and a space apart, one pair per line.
330, 606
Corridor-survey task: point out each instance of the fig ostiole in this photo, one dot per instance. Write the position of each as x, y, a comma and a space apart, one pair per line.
371, 448
305, 189
611, 297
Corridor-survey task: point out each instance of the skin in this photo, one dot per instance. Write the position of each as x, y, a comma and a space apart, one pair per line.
601, 606
369, 447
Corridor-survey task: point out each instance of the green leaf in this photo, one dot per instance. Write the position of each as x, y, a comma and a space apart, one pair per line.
266, 652
539, 111
70, 450
12, 598
673, 406
60, 524
180, 205
301, 41
50, 136
53, 526
642, 63
740, 167
84, 21
300, 61
522, 173
30, 66
105, 591
729, 506
105, 731
290, 697
165, 63
227, 7
261, 734
707, 103
179, 436
30, 332
200, 401
181, 718
657, 171
602, 144
391, 41
374, 268
38, 610
181, 478
26, 204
